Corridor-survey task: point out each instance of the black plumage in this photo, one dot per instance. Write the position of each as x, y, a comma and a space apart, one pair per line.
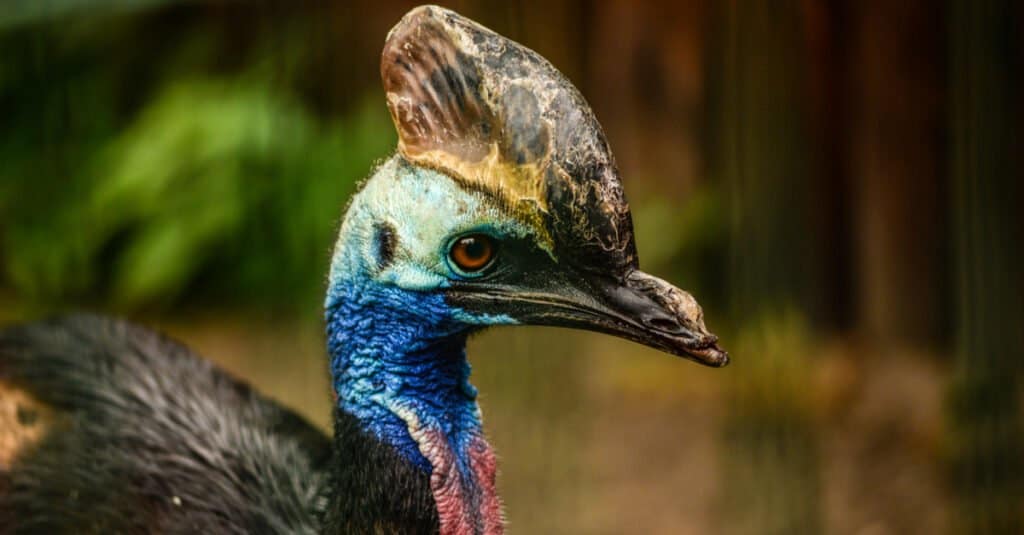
145, 437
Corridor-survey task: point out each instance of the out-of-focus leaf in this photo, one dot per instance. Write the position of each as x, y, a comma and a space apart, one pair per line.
226, 178
175, 179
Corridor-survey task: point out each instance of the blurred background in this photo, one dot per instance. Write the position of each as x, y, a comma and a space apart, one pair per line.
836, 181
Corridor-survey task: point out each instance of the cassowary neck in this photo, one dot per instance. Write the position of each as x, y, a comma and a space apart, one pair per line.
399, 367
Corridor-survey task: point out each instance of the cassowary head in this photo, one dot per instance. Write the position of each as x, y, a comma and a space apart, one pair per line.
503, 204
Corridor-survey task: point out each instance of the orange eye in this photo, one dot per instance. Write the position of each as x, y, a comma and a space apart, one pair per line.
472, 253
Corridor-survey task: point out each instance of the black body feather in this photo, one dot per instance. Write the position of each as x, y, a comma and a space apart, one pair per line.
149, 438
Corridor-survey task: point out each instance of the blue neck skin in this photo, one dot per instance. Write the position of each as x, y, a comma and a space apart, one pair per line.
393, 349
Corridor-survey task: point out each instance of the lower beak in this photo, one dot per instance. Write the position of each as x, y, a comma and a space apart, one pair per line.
638, 307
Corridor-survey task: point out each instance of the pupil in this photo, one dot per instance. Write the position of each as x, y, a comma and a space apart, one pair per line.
475, 249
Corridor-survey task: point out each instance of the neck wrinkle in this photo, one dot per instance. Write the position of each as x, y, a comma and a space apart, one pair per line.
399, 366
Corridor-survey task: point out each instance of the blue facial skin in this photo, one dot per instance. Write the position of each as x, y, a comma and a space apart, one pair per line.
394, 344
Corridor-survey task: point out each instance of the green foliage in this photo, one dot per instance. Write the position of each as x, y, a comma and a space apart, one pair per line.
218, 184
154, 158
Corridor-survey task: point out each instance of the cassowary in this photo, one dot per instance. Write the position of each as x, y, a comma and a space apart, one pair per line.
501, 206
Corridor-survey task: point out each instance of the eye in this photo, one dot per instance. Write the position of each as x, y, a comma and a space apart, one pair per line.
472, 253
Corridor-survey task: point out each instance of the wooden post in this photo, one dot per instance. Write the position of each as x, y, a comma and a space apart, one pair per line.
760, 156
986, 447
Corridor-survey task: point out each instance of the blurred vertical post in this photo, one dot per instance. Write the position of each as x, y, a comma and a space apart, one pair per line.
760, 155
986, 433
897, 146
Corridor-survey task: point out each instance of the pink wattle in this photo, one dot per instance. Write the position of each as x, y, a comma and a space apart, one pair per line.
485, 466
467, 503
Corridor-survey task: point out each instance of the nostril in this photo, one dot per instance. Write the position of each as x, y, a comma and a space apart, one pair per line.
665, 324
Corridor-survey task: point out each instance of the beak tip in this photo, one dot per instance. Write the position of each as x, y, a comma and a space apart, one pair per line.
712, 355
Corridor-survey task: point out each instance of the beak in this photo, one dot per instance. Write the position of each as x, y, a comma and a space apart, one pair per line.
638, 307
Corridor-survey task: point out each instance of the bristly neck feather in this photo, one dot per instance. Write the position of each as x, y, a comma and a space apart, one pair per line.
399, 366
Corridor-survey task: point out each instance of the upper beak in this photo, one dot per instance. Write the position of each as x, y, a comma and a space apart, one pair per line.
653, 312
638, 307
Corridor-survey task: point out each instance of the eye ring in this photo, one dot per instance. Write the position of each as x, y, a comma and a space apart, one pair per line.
471, 254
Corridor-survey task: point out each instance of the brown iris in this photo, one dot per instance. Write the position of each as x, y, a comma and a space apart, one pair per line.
472, 253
